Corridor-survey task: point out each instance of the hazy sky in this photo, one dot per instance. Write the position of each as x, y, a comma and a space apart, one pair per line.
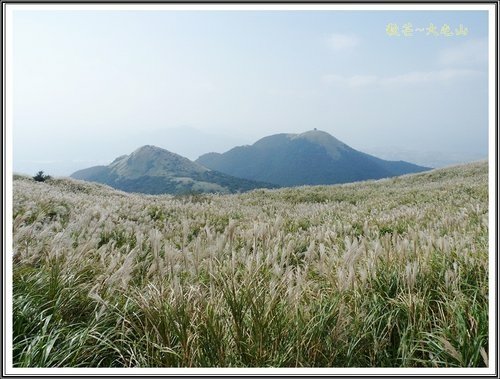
91, 85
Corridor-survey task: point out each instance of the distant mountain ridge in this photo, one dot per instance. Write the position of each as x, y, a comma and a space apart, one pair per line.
310, 158
154, 170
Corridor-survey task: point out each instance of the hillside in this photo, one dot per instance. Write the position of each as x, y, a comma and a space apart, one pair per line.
153, 170
386, 273
310, 158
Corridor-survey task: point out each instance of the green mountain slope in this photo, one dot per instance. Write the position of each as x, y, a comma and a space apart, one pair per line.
313, 157
153, 170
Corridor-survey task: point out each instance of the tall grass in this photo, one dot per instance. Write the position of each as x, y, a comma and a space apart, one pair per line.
392, 273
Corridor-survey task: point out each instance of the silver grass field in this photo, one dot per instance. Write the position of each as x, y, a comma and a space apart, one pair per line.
388, 273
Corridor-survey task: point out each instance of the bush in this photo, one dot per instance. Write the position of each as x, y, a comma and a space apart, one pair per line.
40, 177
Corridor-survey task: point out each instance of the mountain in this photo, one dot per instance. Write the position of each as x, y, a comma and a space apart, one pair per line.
313, 157
153, 170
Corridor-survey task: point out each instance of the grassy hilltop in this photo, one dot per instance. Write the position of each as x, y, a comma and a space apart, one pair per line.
381, 273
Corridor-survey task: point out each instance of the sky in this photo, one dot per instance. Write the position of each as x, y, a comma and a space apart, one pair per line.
89, 86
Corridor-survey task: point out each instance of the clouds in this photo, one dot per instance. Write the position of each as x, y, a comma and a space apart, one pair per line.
342, 42
470, 53
291, 93
406, 79
453, 64
458, 61
354, 81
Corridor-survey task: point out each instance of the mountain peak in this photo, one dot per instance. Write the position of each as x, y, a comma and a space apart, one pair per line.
314, 132
146, 148
150, 150
331, 144
312, 157
155, 161
151, 169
